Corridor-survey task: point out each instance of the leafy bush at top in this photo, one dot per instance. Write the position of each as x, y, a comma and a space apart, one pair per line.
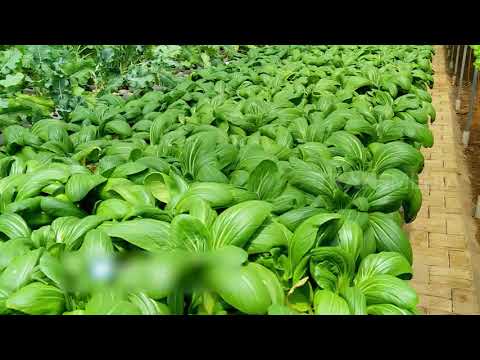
277, 182
75, 75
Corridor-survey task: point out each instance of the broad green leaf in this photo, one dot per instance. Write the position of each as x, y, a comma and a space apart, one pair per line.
53, 269
390, 263
358, 178
43, 236
37, 299
189, 233
315, 152
216, 194
241, 287
127, 169
54, 189
239, 177
387, 289
147, 305
113, 209
387, 309
332, 267
158, 188
413, 203
62, 226
161, 123
271, 282
269, 235
56, 207
389, 236
238, 223
312, 179
293, 218
9, 250
41, 178
97, 244
110, 302
355, 82
305, 236
148, 234
396, 155
241, 195
347, 145
19, 271
176, 186
404, 102
119, 127
13, 226
359, 217
418, 132
291, 199
133, 194
251, 156
356, 301
154, 163
329, 303
148, 211
359, 126
350, 238
202, 210
277, 309
107, 164
390, 190
369, 242
77, 229
198, 157
79, 185
266, 180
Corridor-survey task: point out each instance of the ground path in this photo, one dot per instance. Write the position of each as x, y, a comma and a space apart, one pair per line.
442, 267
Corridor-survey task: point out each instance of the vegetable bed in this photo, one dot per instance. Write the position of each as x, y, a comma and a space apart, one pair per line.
276, 182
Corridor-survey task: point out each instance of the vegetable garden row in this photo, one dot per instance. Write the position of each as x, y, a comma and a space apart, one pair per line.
266, 180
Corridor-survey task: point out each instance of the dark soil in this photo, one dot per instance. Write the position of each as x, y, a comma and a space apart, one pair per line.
472, 151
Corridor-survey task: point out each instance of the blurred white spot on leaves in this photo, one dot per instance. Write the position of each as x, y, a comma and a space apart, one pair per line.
101, 269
